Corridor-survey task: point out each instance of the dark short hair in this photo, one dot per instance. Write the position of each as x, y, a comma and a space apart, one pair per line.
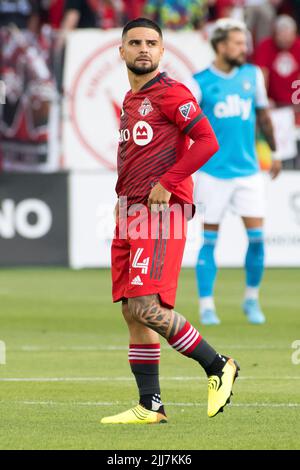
141, 23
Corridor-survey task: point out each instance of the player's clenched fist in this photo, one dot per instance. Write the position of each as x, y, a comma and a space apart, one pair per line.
158, 198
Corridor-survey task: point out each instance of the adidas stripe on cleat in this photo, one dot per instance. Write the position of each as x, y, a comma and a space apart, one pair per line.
220, 388
136, 415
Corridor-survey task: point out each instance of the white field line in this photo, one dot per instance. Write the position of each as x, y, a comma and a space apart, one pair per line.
129, 379
128, 403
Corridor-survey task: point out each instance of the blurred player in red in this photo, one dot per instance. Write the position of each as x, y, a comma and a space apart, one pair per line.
154, 187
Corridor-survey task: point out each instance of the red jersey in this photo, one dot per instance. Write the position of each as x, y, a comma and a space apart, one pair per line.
283, 68
154, 134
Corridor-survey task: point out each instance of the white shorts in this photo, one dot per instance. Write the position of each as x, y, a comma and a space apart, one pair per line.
244, 196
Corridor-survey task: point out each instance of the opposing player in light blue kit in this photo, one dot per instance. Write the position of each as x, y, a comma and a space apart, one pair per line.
233, 96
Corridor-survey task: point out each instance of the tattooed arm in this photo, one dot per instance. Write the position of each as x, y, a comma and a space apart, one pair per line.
265, 124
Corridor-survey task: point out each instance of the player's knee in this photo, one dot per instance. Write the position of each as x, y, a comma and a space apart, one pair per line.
138, 308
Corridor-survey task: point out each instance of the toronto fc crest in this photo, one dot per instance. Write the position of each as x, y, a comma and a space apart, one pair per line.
145, 107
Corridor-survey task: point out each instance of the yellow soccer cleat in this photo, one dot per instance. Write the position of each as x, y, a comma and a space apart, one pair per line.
136, 415
220, 388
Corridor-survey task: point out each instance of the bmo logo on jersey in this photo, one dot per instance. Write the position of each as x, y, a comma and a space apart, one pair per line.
142, 133
233, 106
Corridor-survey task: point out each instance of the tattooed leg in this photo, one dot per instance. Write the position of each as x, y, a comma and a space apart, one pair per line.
180, 334
139, 333
148, 311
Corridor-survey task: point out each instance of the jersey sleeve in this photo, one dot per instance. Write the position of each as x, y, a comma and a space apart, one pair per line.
261, 97
204, 146
181, 107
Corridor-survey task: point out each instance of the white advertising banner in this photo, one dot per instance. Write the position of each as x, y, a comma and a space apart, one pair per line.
285, 132
283, 221
95, 84
92, 200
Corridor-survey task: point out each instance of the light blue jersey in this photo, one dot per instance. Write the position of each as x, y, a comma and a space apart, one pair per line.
230, 101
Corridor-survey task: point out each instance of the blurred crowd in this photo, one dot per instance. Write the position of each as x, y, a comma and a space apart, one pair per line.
172, 14
274, 26
33, 34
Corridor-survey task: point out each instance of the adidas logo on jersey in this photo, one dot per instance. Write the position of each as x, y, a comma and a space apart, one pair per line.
137, 281
233, 106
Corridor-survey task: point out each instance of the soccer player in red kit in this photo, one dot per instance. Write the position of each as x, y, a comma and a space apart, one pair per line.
156, 159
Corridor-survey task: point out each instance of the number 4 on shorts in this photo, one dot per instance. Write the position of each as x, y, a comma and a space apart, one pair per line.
141, 265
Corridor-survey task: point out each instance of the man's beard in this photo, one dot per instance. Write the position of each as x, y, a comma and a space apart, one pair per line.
142, 70
236, 62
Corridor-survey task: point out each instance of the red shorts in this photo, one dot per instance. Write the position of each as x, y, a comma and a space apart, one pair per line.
147, 254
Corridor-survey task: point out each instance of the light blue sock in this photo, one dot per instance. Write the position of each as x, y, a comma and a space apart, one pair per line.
206, 269
254, 263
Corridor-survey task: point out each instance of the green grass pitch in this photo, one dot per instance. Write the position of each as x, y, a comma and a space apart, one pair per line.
66, 348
